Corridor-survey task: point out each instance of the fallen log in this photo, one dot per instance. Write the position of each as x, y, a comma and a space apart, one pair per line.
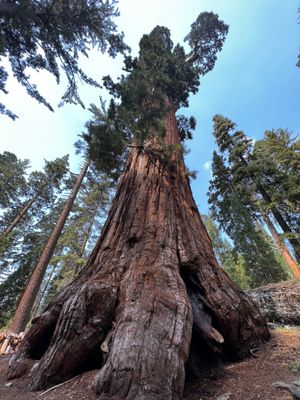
280, 302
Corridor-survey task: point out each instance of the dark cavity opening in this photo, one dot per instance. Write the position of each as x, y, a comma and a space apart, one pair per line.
205, 356
41, 345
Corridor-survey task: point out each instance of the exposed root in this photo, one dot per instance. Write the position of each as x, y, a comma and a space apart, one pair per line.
82, 326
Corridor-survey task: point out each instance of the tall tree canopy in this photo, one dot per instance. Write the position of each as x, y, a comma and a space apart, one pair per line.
51, 35
162, 76
230, 206
266, 171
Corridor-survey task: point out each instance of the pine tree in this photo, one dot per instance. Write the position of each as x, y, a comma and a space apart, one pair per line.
38, 190
276, 163
23, 256
239, 223
238, 147
28, 297
78, 237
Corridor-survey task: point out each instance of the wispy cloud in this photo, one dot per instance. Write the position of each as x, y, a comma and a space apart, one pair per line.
207, 165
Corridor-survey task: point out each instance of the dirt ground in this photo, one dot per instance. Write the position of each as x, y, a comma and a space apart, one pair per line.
248, 380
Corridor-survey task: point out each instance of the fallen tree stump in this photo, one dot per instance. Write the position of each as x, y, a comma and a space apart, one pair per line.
9, 342
280, 302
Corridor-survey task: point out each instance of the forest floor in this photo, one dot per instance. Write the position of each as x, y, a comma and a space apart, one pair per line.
250, 379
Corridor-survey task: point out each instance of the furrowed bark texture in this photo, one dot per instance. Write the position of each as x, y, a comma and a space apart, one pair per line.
152, 282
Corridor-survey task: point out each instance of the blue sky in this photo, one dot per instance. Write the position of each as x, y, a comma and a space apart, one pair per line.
255, 81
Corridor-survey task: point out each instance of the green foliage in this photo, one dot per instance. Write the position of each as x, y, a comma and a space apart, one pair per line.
50, 35
235, 142
185, 127
240, 224
235, 265
22, 257
270, 168
79, 235
12, 178
228, 257
157, 81
276, 164
206, 38
41, 187
162, 77
44, 183
103, 141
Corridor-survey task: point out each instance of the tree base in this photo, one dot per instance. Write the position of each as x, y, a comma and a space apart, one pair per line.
146, 337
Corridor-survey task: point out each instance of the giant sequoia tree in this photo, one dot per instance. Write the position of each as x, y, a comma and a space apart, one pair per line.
152, 300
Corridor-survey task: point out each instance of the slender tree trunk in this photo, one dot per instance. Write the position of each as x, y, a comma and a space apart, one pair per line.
151, 299
38, 301
81, 253
28, 297
291, 263
19, 217
277, 215
88, 233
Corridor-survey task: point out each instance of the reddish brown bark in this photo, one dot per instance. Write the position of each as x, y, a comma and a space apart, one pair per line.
291, 263
152, 282
27, 299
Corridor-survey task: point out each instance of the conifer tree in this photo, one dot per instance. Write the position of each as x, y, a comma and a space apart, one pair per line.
276, 163
238, 222
38, 190
238, 147
22, 256
50, 35
78, 237
28, 297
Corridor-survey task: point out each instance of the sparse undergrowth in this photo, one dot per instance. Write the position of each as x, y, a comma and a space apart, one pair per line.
277, 360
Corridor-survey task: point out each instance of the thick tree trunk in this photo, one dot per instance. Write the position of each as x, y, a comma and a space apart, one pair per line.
151, 284
19, 217
27, 299
291, 263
